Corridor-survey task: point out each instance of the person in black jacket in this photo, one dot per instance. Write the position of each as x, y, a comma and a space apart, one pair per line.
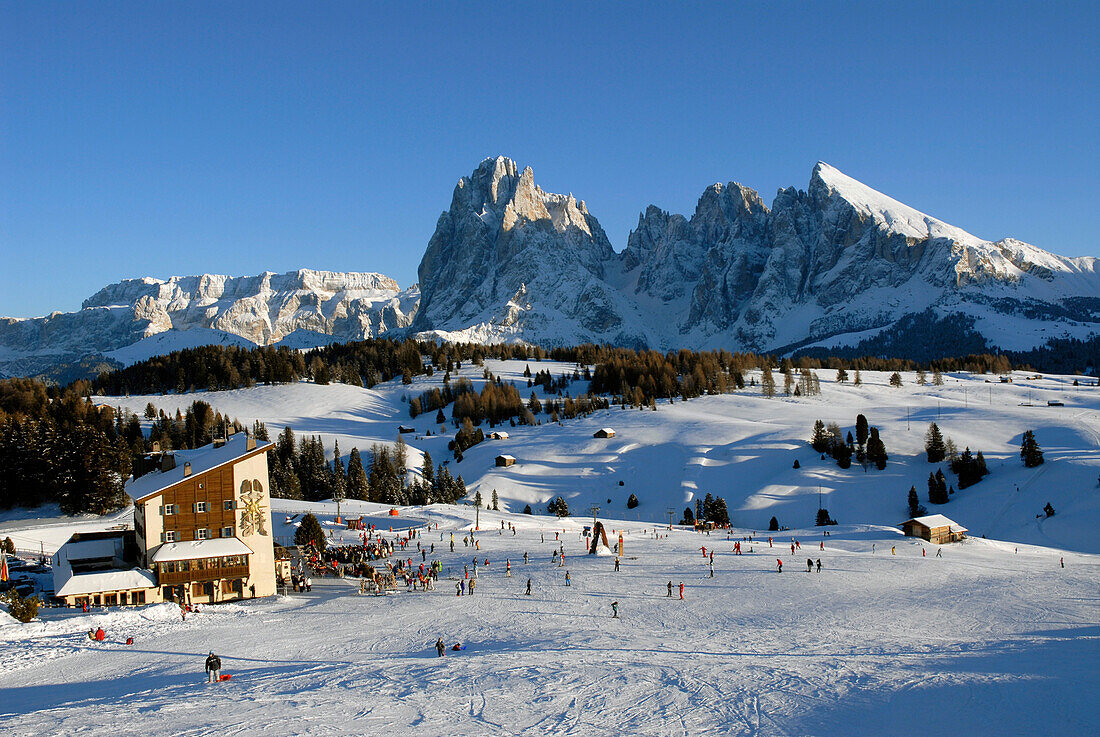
213, 665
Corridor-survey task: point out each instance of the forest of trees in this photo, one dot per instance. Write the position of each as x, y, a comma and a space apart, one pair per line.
299, 470
57, 447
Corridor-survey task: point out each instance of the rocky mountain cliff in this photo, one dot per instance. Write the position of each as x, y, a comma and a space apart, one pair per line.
831, 265
835, 266
136, 318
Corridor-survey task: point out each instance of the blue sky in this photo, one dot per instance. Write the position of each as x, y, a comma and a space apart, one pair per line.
159, 139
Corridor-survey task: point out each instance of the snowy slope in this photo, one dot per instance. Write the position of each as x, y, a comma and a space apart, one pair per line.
994, 637
741, 447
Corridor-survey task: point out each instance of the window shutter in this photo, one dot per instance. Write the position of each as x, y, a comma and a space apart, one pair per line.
161, 510
162, 535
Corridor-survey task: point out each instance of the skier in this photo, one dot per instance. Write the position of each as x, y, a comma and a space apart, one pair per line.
819, 565
822, 544
458, 589
213, 665
939, 554
614, 610
893, 550
681, 590
524, 557
792, 548
528, 592
508, 568
100, 635
670, 589
779, 564
440, 648
809, 565
616, 564
1062, 562
472, 582
568, 582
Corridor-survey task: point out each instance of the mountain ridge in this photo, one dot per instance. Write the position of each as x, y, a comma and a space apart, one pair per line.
509, 261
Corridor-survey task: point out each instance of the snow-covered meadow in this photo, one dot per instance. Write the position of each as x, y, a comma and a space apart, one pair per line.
740, 446
994, 637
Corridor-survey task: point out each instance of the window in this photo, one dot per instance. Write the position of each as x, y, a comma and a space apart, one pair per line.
202, 533
227, 505
227, 532
200, 507
201, 486
168, 509
168, 536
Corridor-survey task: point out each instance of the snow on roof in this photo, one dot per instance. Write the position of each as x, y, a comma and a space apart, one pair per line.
507, 457
938, 520
201, 459
193, 549
92, 583
85, 549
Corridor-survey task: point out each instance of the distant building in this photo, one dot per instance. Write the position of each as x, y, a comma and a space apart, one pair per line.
403, 429
935, 528
498, 435
604, 432
506, 460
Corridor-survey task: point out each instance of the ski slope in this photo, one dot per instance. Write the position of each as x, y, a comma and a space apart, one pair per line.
994, 637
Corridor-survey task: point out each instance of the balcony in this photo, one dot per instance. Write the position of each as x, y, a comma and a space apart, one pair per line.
201, 574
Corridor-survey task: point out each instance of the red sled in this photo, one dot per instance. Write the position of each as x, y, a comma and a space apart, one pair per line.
224, 677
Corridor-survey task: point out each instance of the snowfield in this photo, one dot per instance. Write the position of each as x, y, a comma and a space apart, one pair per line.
739, 446
994, 640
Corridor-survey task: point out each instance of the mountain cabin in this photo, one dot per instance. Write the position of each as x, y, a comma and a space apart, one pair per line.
505, 460
604, 432
935, 528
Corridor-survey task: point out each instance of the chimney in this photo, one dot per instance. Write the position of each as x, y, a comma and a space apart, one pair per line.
167, 462
219, 442
250, 443
186, 468
156, 447
230, 430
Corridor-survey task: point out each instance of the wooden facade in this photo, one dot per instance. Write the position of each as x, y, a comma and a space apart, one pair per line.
935, 529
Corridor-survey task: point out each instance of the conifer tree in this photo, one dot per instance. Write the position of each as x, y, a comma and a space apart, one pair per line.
915, 509
819, 440
861, 430
934, 446
895, 379
1030, 451
310, 532
495, 501
876, 450
767, 383
773, 525
357, 486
